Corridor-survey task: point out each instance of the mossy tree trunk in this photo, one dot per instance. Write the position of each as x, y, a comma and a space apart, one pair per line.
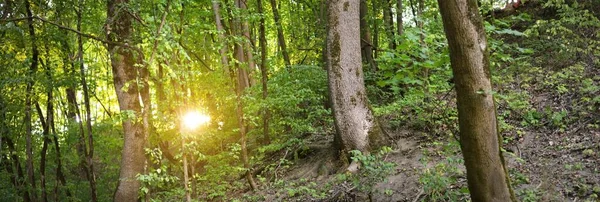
357, 128
480, 142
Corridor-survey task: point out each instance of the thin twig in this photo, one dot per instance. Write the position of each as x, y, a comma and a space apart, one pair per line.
418, 195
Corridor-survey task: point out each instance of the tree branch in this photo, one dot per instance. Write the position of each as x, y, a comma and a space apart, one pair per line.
44, 20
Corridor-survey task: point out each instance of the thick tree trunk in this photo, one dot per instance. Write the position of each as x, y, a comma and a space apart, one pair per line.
357, 128
280, 37
124, 63
28, 95
365, 31
480, 142
263, 72
91, 176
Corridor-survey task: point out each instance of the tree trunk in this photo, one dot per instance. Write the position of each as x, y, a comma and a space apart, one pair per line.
366, 44
247, 44
479, 138
420, 24
44, 151
46, 125
91, 176
375, 40
399, 15
125, 75
242, 84
221, 36
357, 128
389, 24
280, 38
28, 95
17, 179
263, 72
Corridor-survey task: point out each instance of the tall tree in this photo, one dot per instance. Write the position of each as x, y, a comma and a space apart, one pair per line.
243, 82
365, 41
479, 138
263, 70
399, 15
389, 23
356, 127
221, 36
125, 59
280, 37
30, 77
90, 174
18, 178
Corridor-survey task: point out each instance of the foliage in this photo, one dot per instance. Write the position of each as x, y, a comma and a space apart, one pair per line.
297, 98
441, 181
373, 168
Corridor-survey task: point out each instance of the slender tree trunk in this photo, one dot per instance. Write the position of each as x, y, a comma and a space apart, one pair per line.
479, 138
17, 179
420, 24
125, 75
375, 40
247, 44
389, 24
366, 44
60, 176
28, 128
46, 126
357, 128
88, 112
221, 36
399, 15
264, 72
280, 38
44, 151
186, 181
242, 84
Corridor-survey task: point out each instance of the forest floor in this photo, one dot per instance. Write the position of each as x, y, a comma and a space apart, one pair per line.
544, 166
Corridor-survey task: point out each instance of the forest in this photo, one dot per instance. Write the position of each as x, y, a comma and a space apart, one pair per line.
300, 100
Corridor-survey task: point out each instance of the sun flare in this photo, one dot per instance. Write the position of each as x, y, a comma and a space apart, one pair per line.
193, 119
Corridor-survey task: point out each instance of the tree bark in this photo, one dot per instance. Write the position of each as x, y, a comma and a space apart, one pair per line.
221, 36
280, 37
125, 76
399, 15
479, 138
389, 24
44, 151
375, 40
91, 176
357, 128
247, 44
29, 93
263, 72
242, 84
366, 44
17, 179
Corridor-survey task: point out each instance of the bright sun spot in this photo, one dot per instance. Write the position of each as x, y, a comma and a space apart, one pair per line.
194, 119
